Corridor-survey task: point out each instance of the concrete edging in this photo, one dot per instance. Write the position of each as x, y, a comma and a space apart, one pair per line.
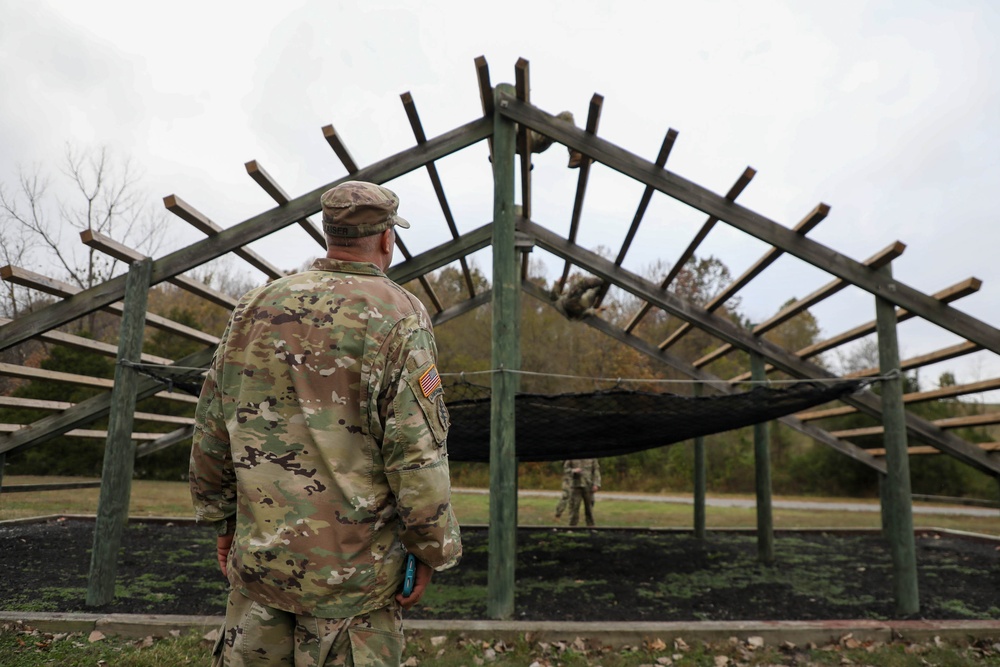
611, 634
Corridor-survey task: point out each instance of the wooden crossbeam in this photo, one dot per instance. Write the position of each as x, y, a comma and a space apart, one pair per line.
711, 381
593, 118
947, 295
741, 183
728, 331
122, 252
485, 95
89, 345
340, 149
40, 404
968, 421
164, 441
422, 278
25, 278
418, 132
83, 433
462, 308
876, 261
94, 408
952, 391
271, 187
756, 225
922, 450
256, 227
804, 226
30, 373
442, 255
199, 221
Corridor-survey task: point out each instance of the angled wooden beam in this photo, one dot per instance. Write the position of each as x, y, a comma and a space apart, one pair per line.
422, 278
462, 308
340, 149
442, 255
952, 293
640, 212
922, 450
251, 229
879, 259
40, 404
432, 172
40, 374
728, 331
804, 226
91, 409
25, 278
485, 94
756, 225
593, 118
711, 381
741, 183
189, 214
89, 345
522, 88
271, 187
968, 421
122, 252
952, 391
164, 441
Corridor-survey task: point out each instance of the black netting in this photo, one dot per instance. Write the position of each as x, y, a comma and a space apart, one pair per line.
611, 423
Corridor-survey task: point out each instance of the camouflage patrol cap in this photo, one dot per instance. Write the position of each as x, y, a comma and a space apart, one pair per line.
356, 208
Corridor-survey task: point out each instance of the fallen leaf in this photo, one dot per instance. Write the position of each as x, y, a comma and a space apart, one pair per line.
95, 636
680, 644
755, 642
440, 639
175, 633
657, 645
664, 661
211, 636
411, 661
788, 646
721, 661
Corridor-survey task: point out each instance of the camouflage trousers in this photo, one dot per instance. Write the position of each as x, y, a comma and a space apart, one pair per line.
578, 494
255, 634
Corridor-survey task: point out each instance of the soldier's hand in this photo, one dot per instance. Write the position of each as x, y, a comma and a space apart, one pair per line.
420, 582
222, 546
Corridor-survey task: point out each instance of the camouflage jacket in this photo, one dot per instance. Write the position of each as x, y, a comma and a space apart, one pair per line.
590, 475
320, 438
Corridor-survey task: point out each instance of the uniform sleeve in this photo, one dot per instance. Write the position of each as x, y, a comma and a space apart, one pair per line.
415, 452
211, 474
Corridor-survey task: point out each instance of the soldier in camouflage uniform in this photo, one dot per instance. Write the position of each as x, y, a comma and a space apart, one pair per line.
586, 479
320, 452
567, 488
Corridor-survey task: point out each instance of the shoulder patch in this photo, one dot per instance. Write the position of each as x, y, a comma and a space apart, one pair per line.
430, 383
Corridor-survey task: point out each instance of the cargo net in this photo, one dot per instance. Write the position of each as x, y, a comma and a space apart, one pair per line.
620, 421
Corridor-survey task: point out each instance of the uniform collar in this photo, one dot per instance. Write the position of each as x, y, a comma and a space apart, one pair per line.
363, 268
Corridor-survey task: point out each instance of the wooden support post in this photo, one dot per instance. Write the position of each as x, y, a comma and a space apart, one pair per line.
506, 357
762, 476
119, 453
3, 461
899, 510
700, 477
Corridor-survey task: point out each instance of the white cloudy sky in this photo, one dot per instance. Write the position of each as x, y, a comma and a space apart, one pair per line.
886, 110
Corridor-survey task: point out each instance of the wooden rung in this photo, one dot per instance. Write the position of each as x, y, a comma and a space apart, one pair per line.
122, 252
57, 337
39, 404
431, 294
271, 187
485, 89
29, 373
340, 149
924, 449
202, 223
738, 187
83, 433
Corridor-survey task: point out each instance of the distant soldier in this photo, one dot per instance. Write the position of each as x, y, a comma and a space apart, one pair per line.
567, 485
585, 480
578, 300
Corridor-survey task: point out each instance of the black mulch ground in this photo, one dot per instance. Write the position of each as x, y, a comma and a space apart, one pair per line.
562, 574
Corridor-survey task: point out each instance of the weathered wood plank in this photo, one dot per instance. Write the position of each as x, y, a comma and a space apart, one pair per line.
40, 404
256, 227
172, 438
593, 119
506, 355
418, 133
340, 149
522, 88
741, 183
88, 434
120, 251
731, 333
442, 255
756, 225
277, 193
31, 373
921, 450
89, 345
26, 278
422, 278
885, 255
462, 308
762, 475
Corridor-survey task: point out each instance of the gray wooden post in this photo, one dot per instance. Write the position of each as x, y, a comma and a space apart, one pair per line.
700, 477
762, 474
506, 357
899, 510
119, 453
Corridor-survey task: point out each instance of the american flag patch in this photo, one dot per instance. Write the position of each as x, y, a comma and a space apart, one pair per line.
430, 382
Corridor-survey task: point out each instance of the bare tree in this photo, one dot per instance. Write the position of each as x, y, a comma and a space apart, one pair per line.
41, 217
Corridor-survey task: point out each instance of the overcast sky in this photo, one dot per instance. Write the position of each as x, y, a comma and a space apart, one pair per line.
888, 111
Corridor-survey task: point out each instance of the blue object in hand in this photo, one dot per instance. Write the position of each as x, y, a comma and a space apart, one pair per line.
410, 576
